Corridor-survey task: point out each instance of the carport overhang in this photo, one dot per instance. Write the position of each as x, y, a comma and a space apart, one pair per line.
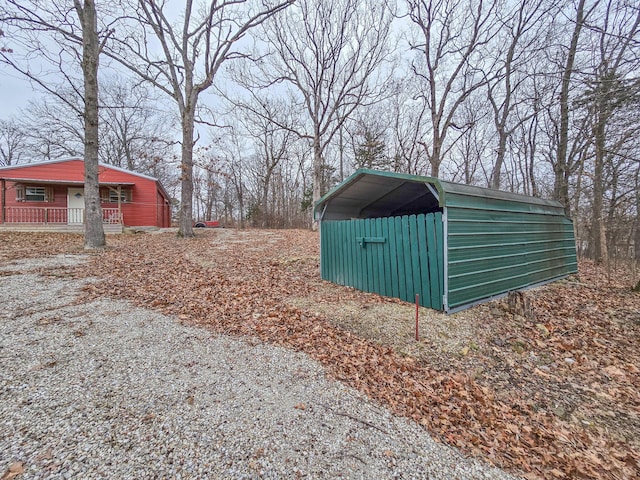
370, 193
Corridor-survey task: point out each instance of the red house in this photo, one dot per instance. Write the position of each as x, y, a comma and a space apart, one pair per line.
50, 196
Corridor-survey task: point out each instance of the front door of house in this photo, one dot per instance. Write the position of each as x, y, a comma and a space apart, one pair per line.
75, 206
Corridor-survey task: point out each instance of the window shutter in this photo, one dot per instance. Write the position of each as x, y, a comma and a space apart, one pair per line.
49, 194
19, 193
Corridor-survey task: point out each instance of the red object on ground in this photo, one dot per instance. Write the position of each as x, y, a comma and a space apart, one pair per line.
207, 224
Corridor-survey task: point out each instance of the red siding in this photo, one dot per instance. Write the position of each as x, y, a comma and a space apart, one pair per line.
163, 210
59, 200
148, 206
70, 171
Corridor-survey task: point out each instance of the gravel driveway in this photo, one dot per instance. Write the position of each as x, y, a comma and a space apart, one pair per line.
108, 390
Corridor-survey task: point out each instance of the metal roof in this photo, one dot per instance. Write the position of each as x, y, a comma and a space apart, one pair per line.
371, 193
100, 164
66, 182
68, 159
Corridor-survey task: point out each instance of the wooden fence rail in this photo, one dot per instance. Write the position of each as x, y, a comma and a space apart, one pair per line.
56, 215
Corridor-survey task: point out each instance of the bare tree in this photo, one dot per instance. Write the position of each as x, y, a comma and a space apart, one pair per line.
561, 165
135, 133
329, 53
192, 50
409, 116
450, 36
54, 128
12, 138
520, 32
525, 139
610, 90
475, 142
233, 150
636, 220
272, 143
206, 187
37, 29
266, 170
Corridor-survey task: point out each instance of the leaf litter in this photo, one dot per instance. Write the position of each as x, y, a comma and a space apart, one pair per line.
551, 395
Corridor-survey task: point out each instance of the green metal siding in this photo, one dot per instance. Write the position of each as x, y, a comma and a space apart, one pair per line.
392, 256
495, 246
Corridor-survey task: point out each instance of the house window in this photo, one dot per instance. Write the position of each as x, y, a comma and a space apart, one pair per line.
111, 195
125, 196
34, 194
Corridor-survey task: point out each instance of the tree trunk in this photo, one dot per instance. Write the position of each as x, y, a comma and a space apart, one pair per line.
240, 193
597, 240
264, 205
435, 159
494, 181
317, 178
531, 161
185, 219
266, 210
636, 234
613, 237
500, 118
561, 168
94, 231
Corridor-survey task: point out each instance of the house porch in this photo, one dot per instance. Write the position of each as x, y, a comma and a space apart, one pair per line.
56, 219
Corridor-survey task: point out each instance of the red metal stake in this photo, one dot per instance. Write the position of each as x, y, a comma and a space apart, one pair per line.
417, 305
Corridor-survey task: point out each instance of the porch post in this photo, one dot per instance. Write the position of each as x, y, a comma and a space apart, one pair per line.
120, 204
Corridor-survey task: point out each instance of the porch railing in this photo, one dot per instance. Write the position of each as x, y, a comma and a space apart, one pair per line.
56, 215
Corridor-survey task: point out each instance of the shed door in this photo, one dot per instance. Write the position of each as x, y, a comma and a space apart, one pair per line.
75, 206
395, 256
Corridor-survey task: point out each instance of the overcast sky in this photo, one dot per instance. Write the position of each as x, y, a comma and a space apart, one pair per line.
15, 92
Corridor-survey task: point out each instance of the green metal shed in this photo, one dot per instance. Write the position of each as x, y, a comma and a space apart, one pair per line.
454, 245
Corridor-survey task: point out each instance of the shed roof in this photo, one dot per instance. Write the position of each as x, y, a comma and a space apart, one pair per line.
371, 193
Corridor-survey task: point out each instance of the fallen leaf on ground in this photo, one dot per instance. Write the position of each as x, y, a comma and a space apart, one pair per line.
15, 469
